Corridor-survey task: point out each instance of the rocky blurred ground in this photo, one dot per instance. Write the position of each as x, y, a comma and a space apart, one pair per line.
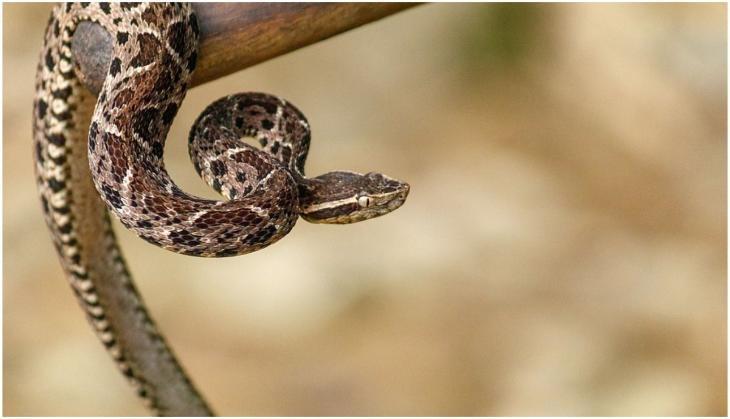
562, 252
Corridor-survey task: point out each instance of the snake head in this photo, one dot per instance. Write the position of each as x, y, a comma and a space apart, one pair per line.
348, 197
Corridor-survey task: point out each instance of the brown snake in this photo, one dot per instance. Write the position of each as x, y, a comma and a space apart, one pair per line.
112, 149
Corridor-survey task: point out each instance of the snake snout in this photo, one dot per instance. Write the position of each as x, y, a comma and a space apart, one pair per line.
400, 197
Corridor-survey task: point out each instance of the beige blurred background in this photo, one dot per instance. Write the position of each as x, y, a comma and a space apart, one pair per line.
562, 251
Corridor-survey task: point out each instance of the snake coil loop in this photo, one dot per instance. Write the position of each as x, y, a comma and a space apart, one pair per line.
120, 160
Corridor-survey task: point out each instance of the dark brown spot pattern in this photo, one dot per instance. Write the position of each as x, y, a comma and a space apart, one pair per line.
265, 190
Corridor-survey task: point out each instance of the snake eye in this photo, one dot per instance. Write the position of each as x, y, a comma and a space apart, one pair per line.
364, 201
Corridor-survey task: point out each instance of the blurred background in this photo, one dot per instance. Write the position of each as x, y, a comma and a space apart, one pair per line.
562, 251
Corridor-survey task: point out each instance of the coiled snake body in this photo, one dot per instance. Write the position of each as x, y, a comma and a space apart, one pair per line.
117, 155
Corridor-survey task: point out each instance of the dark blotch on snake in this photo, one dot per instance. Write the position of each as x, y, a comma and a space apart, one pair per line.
143, 122
112, 196
122, 37
115, 67
63, 94
192, 61
176, 34
49, 61
217, 167
129, 5
149, 48
169, 113
42, 108
57, 140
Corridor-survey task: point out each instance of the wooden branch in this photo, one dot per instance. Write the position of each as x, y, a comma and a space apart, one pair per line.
238, 35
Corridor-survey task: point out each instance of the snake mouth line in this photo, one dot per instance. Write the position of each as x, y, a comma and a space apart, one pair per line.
348, 211
400, 200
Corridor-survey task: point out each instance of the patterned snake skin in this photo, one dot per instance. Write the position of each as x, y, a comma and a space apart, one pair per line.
155, 51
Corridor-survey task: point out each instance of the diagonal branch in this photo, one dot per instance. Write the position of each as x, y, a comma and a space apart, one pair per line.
238, 35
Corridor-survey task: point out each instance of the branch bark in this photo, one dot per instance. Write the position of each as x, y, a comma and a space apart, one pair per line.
238, 35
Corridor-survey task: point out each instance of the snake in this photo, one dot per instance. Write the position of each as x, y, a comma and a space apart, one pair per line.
96, 156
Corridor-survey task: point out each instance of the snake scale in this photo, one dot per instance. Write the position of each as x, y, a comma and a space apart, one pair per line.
93, 157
